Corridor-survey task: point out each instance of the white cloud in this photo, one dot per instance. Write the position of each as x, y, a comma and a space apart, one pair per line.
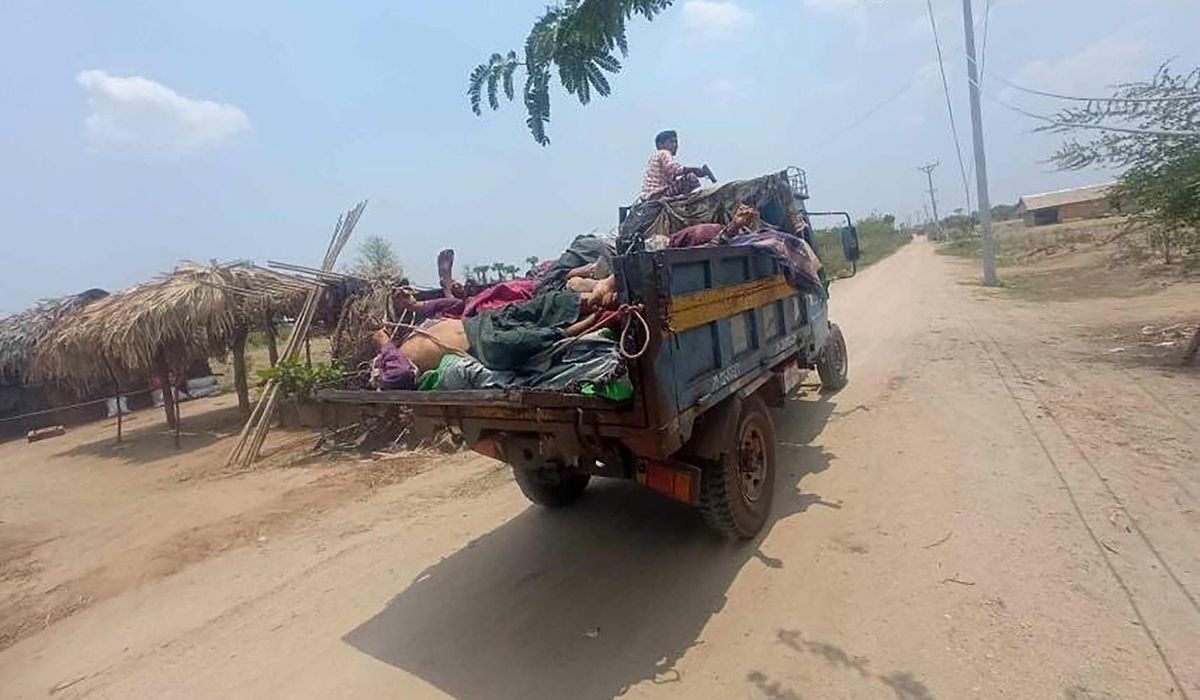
715, 18
133, 115
846, 9
1090, 70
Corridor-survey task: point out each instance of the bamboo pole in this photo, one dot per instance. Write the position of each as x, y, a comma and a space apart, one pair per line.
254, 434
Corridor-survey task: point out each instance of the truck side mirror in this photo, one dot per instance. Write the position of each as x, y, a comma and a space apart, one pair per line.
850, 243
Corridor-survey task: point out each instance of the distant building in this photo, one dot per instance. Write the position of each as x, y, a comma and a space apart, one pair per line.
1091, 202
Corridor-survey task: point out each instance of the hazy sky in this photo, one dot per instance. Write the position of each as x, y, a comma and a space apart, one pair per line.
136, 134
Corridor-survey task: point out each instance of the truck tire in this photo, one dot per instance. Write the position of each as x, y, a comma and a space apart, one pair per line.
736, 491
551, 488
833, 365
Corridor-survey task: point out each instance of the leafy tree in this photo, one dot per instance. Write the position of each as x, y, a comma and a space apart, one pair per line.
1151, 131
1004, 212
578, 38
376, 259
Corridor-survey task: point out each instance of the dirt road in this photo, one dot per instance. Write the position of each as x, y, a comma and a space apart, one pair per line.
995, 507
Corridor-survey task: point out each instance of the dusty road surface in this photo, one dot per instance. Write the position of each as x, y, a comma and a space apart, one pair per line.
997, 506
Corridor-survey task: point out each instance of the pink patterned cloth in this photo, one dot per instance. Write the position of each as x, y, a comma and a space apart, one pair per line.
661, 172
499, 295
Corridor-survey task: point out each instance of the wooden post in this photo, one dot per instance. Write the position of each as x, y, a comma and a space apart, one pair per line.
272, 336
117, 393
237, 346
307, 353
168, 391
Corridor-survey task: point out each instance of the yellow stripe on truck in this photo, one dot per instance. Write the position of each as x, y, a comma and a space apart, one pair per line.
708, 305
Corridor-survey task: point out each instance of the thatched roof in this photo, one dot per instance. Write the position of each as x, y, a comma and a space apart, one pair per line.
187, 314
20, 332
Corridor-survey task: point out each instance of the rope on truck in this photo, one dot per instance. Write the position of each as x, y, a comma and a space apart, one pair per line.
628, 312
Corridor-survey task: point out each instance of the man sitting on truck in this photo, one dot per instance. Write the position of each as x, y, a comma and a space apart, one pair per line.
667, 177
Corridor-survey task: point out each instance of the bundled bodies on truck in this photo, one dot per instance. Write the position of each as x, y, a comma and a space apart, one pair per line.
652, 357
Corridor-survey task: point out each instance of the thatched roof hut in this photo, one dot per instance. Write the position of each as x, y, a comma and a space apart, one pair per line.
196, 311
20, 333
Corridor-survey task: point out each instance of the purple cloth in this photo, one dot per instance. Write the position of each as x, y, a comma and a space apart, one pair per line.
800, 265
441, 308
396, 371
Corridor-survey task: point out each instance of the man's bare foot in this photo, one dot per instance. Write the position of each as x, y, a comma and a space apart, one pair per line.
445, 267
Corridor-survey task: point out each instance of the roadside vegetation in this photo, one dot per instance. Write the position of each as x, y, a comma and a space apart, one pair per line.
878, 237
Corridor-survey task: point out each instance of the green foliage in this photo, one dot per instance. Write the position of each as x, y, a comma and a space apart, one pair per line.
496, 272
1004, 212
578, 38
959, 222
1158, 151
298, 379
878, 238
377, 260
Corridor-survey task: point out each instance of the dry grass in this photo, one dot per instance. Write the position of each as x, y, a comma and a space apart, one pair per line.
1018, 244
20, 332
187, 314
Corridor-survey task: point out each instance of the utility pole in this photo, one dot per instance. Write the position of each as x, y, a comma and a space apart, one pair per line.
981, 183
928, 170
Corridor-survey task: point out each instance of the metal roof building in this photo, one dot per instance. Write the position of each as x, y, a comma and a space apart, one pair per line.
1089, 202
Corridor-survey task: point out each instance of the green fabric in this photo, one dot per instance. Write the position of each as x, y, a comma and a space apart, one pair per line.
432, 380
618, 390
507, 337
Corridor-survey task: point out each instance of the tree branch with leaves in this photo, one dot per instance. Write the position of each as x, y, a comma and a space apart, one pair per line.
377, 260
1150, 130
578, 39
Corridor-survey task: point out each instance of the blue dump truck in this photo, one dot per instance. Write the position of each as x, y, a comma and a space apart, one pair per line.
715, 336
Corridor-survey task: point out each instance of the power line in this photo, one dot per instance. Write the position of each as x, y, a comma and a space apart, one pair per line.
878, 106
869, 113
1075, 98
1097, 127
937, 42
987, 16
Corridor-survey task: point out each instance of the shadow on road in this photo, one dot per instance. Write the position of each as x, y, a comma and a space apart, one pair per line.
582, 602
903, 684
148, 439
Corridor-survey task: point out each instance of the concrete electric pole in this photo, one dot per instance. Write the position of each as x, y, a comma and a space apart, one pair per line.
981, 183
928, 170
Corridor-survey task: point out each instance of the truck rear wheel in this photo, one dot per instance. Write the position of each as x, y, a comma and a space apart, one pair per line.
551, 488
736, 492
833, 365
